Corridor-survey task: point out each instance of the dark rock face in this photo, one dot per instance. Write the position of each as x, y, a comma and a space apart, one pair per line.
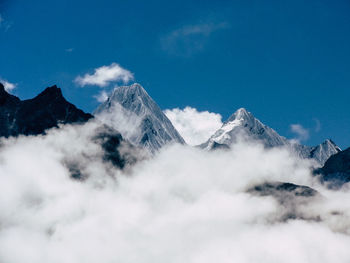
219, 146
116, 150
281, 190
47, 110
34, 116
336, 170
292, 199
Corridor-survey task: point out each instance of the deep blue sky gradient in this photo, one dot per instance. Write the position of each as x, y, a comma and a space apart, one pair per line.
285, 61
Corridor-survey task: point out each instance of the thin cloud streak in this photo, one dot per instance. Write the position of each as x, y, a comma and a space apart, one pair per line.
317, 125
190, 39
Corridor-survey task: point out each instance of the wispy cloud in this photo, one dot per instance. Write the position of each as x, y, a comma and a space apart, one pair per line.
190, 39
8, 85
301, 132
102, 96
4, 24
105, 75
317, 125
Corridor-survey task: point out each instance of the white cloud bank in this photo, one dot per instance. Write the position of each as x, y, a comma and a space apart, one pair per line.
194, 126
184, 205
301, 132
8, 85
105, 75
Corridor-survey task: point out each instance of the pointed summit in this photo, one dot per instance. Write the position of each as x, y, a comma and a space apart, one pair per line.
6, 99
134, 89
242, 124
34, 116
241, 114
131, 111
330, 142
51, 92
323, 151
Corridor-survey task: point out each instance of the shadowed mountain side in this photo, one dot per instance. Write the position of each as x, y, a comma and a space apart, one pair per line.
336, 170
291, 198
34, 116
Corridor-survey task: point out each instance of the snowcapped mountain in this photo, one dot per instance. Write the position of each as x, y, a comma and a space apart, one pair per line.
242, 124
130, 110
323, 151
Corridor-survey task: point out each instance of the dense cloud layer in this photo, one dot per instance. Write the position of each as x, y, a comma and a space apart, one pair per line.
183, 205
195, 126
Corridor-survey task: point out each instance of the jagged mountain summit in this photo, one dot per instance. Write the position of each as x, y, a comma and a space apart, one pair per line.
324, 151
242, 124
34, 116
47, 110
130, 110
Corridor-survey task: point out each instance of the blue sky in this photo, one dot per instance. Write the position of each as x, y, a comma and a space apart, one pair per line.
287, 62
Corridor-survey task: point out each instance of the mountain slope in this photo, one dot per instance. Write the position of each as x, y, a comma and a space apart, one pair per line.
242, 124
336, 170
133, 112
34, 116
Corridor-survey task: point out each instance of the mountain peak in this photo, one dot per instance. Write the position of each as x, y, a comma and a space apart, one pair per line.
135, 88
132, 103
52, 91
242, 124
6, 97
329, 142
241, 111
36, 115
241, 114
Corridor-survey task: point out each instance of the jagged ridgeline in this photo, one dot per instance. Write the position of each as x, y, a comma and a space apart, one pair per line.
131, 106
49, 109
130, 114
243, 124
35, 116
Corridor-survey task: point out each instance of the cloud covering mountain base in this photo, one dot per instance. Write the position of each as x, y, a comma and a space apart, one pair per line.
182, 205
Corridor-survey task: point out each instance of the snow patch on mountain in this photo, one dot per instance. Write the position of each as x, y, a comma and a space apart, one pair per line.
131, 111
242, 124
